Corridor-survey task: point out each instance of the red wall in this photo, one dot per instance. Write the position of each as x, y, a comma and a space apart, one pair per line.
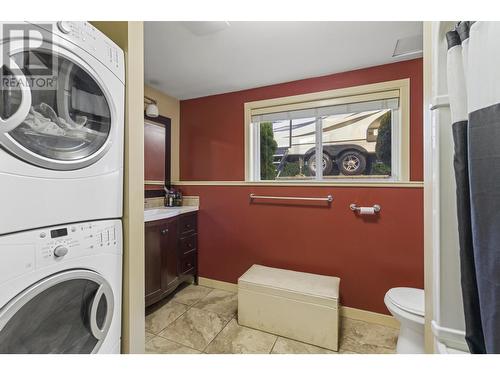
212, 127
369, 255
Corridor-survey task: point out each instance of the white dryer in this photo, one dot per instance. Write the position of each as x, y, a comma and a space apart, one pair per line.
60, 289
61, 125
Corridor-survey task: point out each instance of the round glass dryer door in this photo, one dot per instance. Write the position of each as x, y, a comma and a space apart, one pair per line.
69, 312
61, 120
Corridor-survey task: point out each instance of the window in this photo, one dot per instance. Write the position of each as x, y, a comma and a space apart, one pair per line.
348, 138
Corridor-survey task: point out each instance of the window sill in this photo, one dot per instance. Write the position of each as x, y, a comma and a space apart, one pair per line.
387, 184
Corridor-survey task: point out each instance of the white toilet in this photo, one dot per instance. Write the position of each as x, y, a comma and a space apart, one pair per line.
407, 306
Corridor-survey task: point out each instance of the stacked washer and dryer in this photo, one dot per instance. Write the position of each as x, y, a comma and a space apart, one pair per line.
61, 179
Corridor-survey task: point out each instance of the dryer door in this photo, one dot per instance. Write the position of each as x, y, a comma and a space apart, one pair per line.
69, 312
63, 120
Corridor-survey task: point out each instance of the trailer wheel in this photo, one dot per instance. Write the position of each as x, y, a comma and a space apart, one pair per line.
326, 162
352, 163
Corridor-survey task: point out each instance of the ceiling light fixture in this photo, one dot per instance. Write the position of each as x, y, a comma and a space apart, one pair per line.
202, 28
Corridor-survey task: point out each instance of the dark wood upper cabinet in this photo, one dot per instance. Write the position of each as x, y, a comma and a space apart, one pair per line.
154, 152
157, 138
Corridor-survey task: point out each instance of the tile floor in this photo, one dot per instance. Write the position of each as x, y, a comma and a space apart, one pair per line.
198, 319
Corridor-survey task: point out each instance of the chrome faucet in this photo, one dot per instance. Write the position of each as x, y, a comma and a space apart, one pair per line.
165, 199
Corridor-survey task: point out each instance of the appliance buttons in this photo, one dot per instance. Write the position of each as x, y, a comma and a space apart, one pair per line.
60, 251
43, 235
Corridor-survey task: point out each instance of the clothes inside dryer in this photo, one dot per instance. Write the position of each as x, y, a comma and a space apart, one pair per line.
69, 118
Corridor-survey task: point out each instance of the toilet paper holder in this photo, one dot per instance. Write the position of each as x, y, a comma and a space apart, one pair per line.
355, 207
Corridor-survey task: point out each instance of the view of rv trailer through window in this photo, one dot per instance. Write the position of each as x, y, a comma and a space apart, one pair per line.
354, 144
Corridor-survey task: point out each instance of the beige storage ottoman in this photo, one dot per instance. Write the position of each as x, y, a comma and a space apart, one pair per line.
301, 306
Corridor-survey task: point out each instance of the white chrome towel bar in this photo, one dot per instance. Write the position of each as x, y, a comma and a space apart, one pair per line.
328, 198
439, 105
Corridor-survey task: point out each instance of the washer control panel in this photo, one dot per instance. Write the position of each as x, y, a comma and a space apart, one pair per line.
77, 240
23, 252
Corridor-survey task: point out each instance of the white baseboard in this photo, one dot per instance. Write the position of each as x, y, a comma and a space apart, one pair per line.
369, 316
347, 312
216, 284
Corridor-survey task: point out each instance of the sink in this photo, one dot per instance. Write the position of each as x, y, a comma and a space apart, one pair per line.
159, 213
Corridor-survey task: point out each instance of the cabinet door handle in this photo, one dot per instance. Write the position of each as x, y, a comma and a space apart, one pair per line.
164, 231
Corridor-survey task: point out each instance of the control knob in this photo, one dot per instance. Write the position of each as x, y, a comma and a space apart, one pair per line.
60, 251
64, 26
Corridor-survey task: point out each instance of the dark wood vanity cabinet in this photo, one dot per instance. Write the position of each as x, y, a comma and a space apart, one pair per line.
171, 255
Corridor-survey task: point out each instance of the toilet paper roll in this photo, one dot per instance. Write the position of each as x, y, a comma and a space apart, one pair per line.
367, 211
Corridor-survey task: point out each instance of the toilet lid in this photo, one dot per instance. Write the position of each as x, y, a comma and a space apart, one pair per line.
408, 299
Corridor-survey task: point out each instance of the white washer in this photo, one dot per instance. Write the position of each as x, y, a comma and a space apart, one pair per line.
60, 289
61, 126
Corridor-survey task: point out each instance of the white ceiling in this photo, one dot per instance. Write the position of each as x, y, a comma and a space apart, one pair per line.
188, 60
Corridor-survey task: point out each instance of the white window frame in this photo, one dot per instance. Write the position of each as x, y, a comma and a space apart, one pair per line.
400, 128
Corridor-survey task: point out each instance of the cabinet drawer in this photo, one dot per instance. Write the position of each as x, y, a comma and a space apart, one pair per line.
188, 263
187, 224
188, 244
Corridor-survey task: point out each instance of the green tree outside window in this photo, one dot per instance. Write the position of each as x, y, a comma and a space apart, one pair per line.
268, 148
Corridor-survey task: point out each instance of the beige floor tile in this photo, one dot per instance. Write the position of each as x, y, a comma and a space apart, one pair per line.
363, 337
367, 349
220, 302
165, 315
196, 328
288, 346
203, 327
239, 340
160, 345
149, 336
191, 294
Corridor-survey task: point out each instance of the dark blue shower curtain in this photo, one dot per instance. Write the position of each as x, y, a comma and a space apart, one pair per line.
458, 104
473, 77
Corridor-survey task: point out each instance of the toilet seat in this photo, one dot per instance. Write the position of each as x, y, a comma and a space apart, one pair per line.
410, 300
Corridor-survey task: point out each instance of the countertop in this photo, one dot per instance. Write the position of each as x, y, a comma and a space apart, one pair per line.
159, 213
